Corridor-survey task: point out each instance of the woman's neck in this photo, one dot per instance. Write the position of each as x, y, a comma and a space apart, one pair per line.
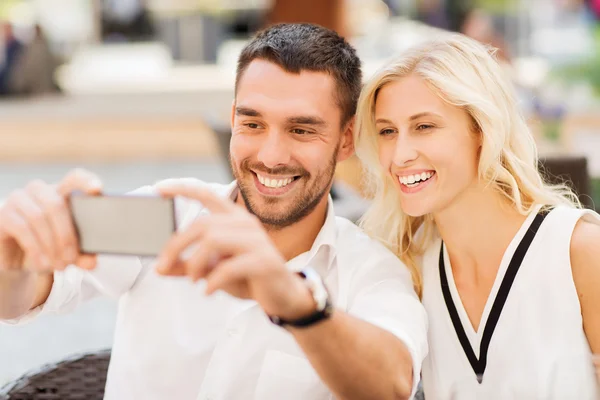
478, 227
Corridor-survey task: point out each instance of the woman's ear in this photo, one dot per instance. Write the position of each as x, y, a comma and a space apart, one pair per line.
346, 148
476, 129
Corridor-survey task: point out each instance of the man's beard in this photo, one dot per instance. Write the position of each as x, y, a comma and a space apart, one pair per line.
300, 206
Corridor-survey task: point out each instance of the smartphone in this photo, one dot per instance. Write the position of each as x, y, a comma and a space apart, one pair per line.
122, 224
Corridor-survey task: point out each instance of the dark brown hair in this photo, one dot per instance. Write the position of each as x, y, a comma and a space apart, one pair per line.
308, 47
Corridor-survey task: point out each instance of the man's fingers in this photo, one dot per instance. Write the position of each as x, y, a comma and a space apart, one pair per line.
37, 225
210, 200
80, 179
177, 245
17, 227
178, 268
208, 230
86, 261
229, 271
197, 265
56, 210
202, 261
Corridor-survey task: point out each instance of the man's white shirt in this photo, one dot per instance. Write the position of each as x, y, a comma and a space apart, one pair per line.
174, 342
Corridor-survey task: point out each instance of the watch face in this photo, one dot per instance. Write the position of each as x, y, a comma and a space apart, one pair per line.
317, 287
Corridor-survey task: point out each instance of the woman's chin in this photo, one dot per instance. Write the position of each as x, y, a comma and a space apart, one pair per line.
414, 210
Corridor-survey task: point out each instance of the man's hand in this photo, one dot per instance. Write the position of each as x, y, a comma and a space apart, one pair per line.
231, 249
36, 229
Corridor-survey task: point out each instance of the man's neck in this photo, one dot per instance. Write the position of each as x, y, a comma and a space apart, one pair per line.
298, 238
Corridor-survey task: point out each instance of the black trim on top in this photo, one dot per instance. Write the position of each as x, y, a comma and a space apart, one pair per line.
458, 328
479, 365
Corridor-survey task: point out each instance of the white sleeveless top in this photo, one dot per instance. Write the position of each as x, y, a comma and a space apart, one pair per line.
530, 346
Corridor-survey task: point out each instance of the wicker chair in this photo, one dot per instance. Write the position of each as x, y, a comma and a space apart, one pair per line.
81, 377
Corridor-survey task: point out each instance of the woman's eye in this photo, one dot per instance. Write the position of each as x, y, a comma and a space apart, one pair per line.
386, 132
422, 127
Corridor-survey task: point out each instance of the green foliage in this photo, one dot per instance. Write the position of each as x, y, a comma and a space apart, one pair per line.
497, 6
596, 193
587, 70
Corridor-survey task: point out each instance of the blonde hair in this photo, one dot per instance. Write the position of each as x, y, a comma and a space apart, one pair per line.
464, 73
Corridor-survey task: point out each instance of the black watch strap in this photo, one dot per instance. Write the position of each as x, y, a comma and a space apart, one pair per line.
304, 322
324, 306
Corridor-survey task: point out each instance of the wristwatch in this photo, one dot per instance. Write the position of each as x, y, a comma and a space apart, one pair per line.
321, 297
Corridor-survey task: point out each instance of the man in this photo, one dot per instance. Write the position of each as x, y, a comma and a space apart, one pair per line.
11, 49
253, 327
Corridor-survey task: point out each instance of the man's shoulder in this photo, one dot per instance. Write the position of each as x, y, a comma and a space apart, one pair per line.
363, 259
354, 242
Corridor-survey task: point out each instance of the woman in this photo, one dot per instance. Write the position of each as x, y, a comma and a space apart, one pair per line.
510, 266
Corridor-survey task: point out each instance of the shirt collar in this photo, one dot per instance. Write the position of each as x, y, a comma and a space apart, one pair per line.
327, 237
232, 191
323, 251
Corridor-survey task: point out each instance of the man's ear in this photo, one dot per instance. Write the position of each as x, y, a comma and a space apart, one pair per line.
232, 113
346, 149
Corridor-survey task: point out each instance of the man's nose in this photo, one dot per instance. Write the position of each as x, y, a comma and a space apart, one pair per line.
274, 150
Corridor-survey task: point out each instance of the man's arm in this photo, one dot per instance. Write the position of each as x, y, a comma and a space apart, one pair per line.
585, 263
37, 236
356, 359
364, 354
375, 350
21, 291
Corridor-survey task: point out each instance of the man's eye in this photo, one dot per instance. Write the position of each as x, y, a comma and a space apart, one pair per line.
299, 131
252, 125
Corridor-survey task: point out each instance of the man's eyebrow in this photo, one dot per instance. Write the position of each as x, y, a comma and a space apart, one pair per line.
307, 120
248, 112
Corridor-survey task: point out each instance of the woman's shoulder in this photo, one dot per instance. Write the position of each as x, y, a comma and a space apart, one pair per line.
585, 266
584, 248
568, 212
562, 220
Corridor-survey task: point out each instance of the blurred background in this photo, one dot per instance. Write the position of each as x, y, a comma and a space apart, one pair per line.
141, 90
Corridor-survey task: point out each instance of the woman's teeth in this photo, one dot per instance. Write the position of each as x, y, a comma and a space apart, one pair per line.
414, 180
274, 183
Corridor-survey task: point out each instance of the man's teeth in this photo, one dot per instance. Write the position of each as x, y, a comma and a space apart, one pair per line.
414, 180
274, 183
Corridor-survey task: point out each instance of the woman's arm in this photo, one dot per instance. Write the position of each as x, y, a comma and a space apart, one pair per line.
585, 262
